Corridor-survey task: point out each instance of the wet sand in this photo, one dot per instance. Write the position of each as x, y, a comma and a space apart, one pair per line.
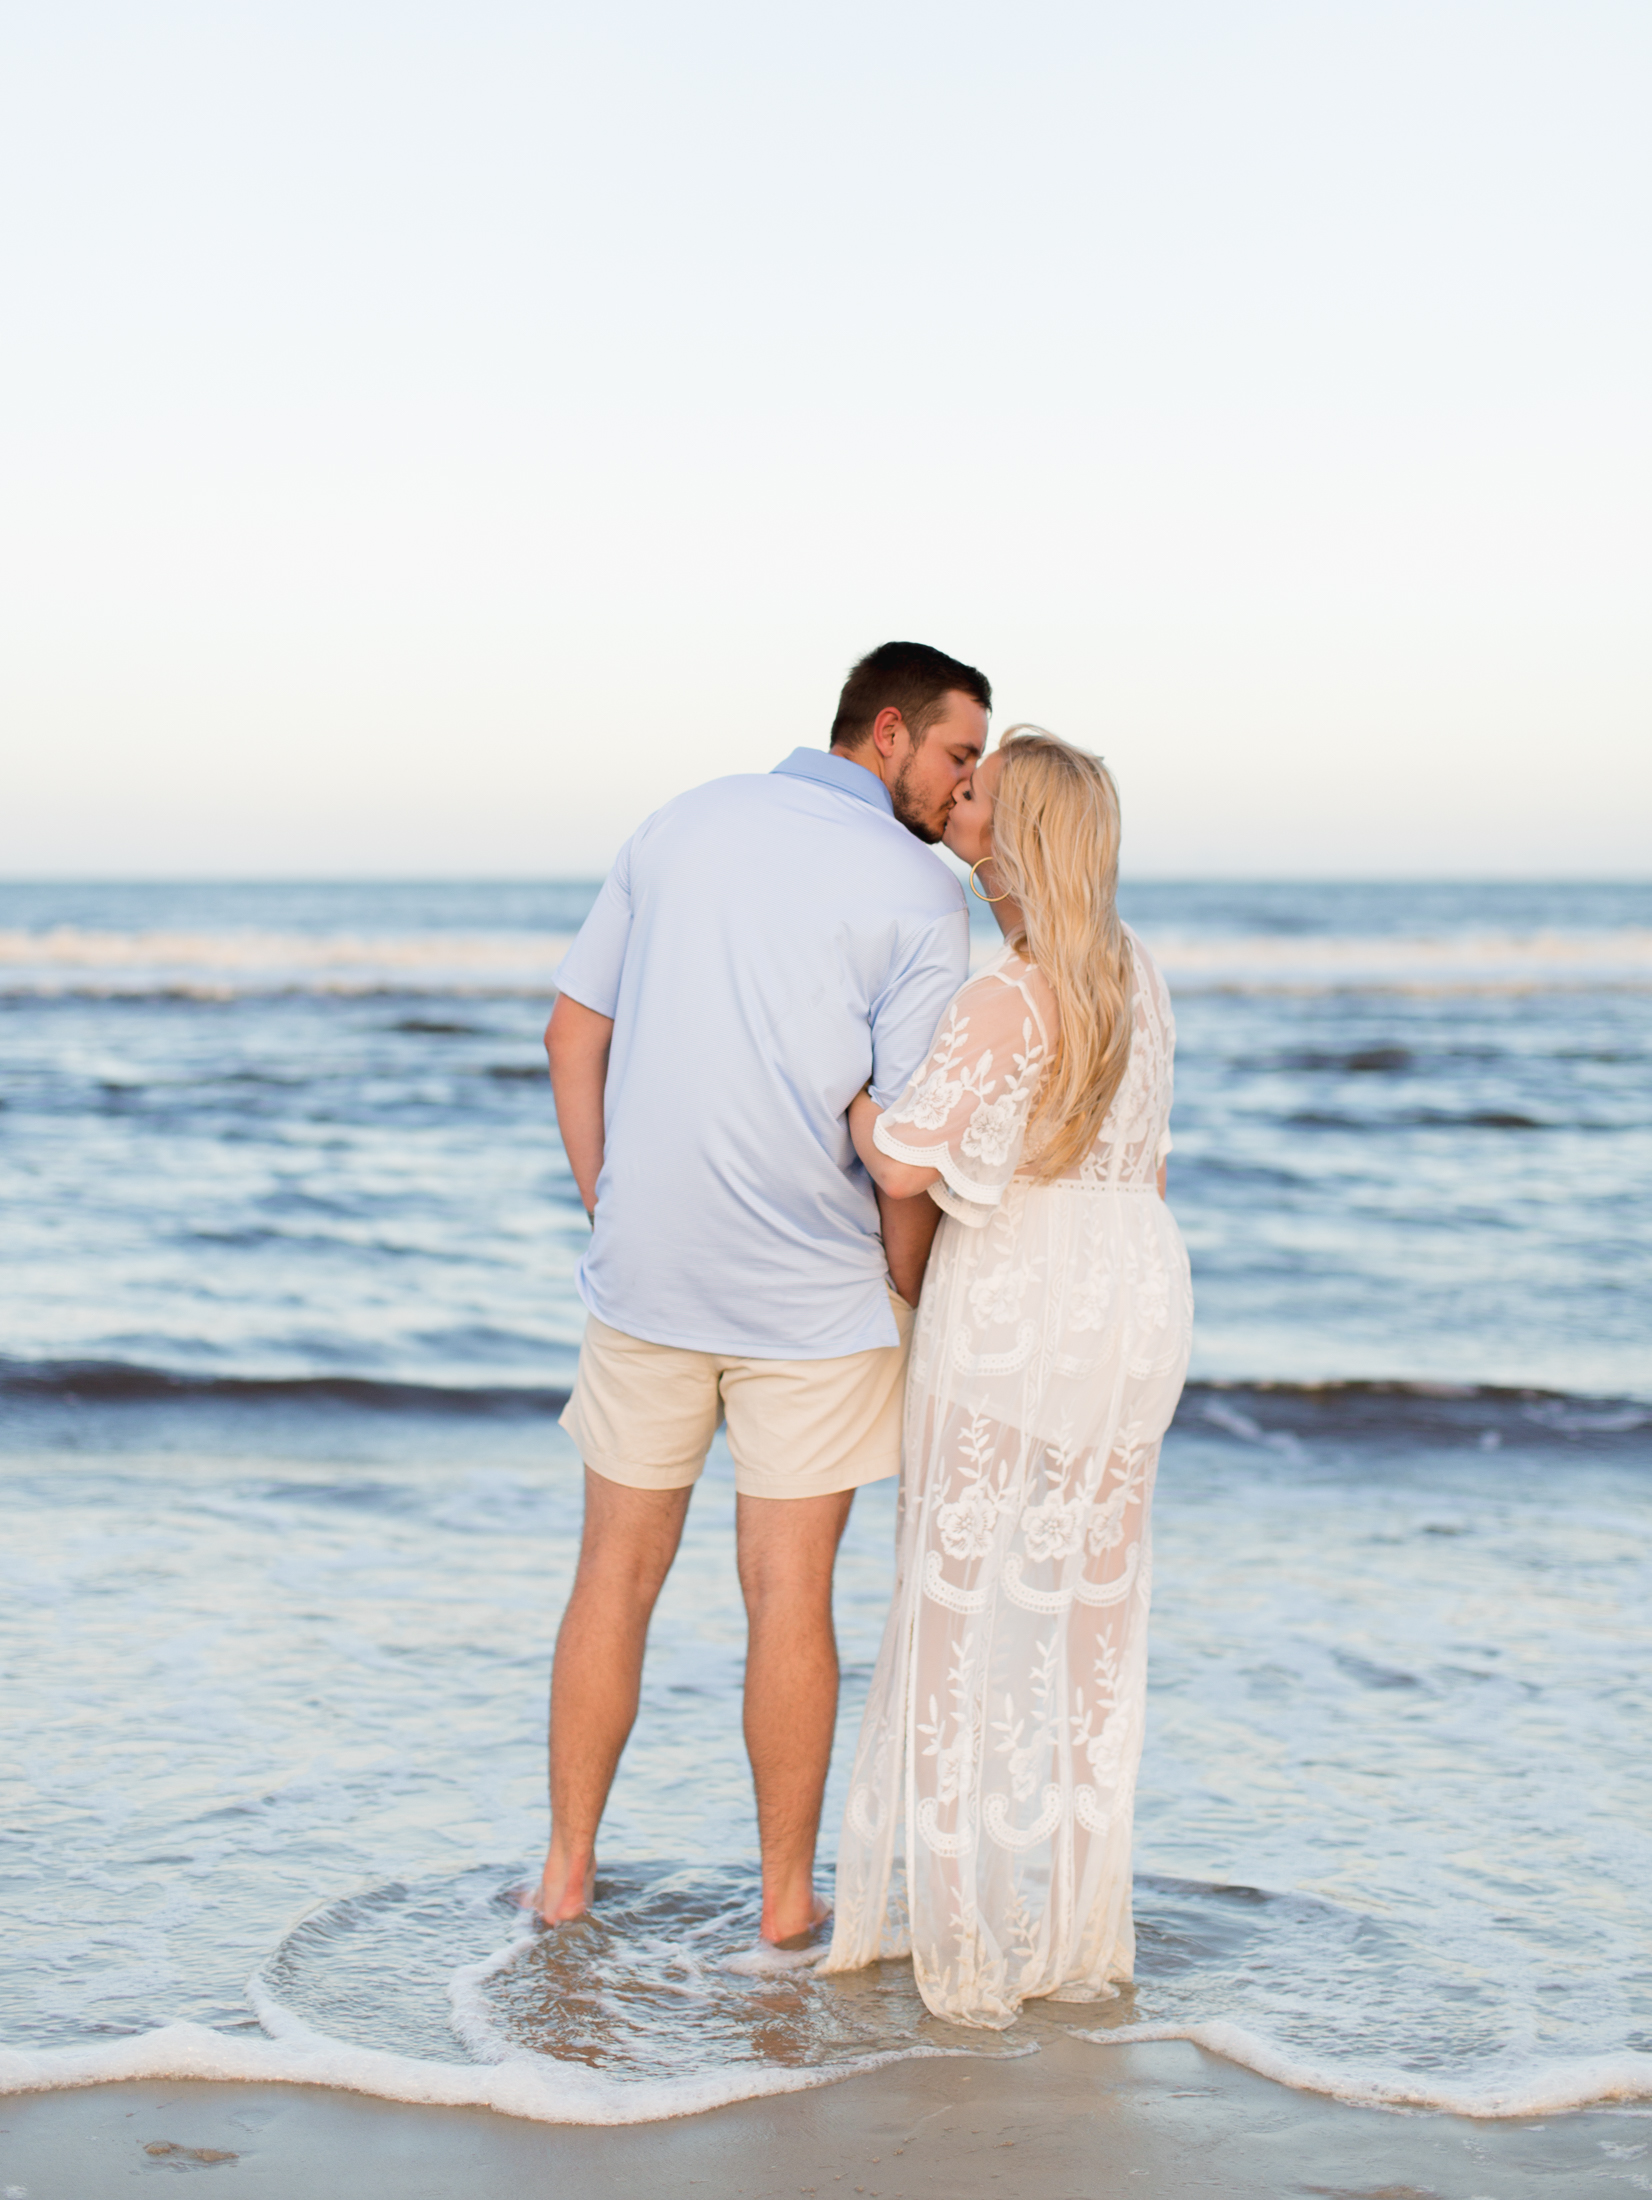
1070, 2123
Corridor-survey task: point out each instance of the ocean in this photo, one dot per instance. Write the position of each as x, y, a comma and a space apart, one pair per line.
288, 1312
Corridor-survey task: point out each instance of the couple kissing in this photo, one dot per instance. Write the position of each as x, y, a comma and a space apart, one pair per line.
883, 1217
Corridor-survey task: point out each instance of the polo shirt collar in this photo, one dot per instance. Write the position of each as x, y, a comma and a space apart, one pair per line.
837, 771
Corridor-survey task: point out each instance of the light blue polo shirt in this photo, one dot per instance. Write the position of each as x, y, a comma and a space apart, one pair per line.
765, 945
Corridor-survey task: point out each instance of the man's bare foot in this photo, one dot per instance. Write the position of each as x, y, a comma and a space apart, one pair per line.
564, 1891
806, 1936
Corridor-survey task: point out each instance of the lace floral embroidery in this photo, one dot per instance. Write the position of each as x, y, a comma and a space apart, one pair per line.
965, 1112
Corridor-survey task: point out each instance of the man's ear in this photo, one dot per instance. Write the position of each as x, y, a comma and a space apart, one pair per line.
886, 727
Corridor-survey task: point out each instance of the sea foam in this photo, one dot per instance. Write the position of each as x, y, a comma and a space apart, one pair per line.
536, 2087
542, 2089
1544, 2089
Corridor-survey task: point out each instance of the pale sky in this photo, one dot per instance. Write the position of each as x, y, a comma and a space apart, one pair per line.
435, 433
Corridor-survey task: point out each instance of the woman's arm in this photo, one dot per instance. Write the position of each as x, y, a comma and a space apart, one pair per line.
900, 1179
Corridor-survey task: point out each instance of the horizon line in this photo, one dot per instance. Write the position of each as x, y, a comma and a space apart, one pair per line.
595, 878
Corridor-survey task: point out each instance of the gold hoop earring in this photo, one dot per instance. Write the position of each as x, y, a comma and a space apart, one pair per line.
976, 891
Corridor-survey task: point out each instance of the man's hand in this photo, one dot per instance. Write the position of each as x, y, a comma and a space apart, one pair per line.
577, 1040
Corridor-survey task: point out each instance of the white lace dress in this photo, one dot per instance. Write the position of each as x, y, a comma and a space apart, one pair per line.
989, 1818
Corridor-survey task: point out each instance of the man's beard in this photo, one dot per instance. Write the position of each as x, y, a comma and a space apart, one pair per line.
906, 808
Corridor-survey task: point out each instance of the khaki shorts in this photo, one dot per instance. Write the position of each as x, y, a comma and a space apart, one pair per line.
644, 1414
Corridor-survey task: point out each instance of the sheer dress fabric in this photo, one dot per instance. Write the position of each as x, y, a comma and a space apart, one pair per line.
988, 1826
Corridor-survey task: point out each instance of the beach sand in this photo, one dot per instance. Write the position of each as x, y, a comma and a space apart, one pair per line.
1075, 2121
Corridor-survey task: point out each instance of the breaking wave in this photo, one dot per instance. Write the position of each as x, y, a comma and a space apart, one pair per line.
73, 960
231, 964
1273, 1414
112, 1382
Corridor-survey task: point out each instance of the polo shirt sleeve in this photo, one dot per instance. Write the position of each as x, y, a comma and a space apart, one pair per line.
907, 1014
590, 971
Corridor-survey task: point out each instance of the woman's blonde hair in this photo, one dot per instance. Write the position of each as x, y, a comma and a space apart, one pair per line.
1055, 848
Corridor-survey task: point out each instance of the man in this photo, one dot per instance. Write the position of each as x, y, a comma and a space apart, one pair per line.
763, 947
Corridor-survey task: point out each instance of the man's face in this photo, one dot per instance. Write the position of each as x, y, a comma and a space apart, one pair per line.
929, 774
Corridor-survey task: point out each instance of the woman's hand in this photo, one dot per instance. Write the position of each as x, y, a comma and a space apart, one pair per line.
900, 1179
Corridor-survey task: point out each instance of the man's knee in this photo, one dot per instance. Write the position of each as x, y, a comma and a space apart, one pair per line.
788, 1548
631, 1535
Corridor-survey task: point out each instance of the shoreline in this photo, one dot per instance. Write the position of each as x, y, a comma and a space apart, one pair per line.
1160, 2118
563, 2092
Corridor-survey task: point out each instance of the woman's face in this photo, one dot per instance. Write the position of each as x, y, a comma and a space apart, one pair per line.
969, 829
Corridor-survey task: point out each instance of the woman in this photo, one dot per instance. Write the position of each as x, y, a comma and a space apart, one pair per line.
989, 1818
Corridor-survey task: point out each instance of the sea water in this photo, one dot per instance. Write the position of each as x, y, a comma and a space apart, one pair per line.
288, 1306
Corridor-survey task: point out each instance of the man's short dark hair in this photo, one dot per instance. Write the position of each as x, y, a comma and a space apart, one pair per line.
906, 676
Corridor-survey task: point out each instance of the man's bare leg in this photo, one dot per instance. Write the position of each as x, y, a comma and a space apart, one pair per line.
630, 1539
787, 1548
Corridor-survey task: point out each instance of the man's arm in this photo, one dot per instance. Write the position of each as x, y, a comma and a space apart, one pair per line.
909, 1227
577, 1040
908, 1012
909, 1220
